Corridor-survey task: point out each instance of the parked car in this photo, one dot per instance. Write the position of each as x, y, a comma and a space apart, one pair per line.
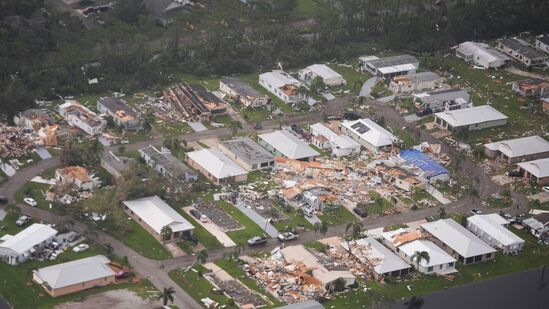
546, 188
22, 220
81, 248
351, 116
257, 240
361, 212
3, 199
475, 212
203, 219
287, 236
30, 201
195, 213
258, 126
296, 128
513, 174
308, 212
424, 112
333, 117
430, 219
509, 218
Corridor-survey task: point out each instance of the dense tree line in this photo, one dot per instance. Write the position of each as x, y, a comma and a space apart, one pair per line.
229, 37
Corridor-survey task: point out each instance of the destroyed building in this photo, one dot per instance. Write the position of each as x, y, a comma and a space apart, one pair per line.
32, 119
81, 117
195, 102
14, 142
76, 175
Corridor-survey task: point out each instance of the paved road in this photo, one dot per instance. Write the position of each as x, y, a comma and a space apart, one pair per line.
529, 289
23, 176
517, 71
367, 87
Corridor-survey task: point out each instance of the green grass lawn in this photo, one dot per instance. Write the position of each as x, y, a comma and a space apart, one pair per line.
141, 241
35, 191
533, 255
309, 8
8, 224
318, 246
17, 287
3, 177
226, 120
338, 216
172, 128
295, 221
197, 286
250, 229
233, 268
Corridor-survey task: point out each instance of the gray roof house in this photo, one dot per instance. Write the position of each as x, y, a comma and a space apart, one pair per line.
247, 153
240, 91
492, 229
310, 304
390, 66
115, 165
443, 100
521, 52
166, 164
283, 143
458, 241
481, 54
542, 43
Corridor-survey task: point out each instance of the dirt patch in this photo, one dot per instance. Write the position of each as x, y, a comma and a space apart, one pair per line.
117, 299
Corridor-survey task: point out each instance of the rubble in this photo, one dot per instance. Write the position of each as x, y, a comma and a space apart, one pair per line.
15, 142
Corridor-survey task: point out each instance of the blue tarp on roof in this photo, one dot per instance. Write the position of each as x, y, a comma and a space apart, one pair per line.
423, 162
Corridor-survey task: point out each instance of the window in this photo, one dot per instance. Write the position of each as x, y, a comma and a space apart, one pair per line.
430, 269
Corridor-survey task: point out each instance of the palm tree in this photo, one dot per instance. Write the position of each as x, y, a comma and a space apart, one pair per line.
166, 233
442, 212
356, 228
321, 227
201, 257
235, 125
420, 256
166, 295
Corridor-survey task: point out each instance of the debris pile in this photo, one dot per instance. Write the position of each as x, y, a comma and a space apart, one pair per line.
15, 142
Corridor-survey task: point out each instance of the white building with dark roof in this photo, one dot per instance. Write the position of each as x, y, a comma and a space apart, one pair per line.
536, 171
542, 43
471, 119
75, 276
368, 134
520, 51
167, 164
216, 166
79, 116
15, 249
153, 214
482, 54
492, 229
283, 143
247, 153
390, 66
458, 241
340, 145
330, 77
373, 254
122, 114
242, 92
518, 150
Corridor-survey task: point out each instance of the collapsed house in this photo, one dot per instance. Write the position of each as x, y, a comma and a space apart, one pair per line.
415, 82
296, 275
337, 142
194, 102
379, 260
242, 92
77, 176
116, 165
401, 178
14, 142
442, 100
81, 117
429, 167
32, 119
531, 87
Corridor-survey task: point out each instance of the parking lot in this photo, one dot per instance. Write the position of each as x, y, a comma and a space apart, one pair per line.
218, 216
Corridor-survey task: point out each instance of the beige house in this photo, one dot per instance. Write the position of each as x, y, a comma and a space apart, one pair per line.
216, 166
75, 276
77, 176
247, 153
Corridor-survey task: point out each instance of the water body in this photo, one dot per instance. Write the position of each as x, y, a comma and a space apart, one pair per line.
528, 290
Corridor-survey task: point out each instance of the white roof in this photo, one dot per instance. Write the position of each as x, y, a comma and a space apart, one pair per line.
519, 147
437, 256
323, 71
457, 237
26, 239
289, 145
279, 78
538, 168
492, 224
75, 272
370, 251
481, 50
469, 116
341, 141
216, 163
157, 214
397, 68
370, 131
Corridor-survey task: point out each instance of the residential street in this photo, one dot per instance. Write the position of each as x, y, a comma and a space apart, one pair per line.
157, 272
